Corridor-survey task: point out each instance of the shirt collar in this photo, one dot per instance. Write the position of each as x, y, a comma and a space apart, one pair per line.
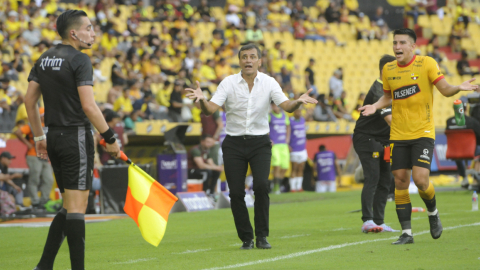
240, 78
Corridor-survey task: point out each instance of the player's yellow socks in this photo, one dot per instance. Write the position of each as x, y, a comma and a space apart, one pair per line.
428, 197
404, 208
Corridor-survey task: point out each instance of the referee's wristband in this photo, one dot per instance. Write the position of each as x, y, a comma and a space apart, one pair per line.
39, 138
109, 136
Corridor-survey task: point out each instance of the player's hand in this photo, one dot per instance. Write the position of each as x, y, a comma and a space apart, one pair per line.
195, 94
468, 86
113, 149
367, 110
305, 98
41, 147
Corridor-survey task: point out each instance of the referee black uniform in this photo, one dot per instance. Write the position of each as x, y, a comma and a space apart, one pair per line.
370, 136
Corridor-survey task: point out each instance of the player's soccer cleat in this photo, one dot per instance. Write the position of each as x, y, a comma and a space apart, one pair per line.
436, 227
263, 243
404, 239
387, 228
370, 226
247, 244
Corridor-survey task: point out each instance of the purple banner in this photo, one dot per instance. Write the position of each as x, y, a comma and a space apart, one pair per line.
172, 172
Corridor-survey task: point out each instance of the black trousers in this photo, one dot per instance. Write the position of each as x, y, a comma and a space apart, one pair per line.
209, 178
378, 177
238, 152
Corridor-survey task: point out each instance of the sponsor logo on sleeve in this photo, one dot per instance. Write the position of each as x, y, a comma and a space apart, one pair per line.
406, 91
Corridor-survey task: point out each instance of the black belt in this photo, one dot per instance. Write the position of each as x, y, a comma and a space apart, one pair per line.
249, 137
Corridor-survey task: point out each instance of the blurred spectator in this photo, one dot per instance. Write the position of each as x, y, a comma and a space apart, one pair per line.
332, 13
97, 72
223, 69
432, 7
323, 112
274, 55
186, 9
201, 165
299, 30
327, 169
254, 35
463, 66
36, 167
207, 73
176, 102
415, 8
459, 31
310, 76
297, 11
336, 83
6, 183
123, 104
204, 10
143, 105
339, 107
118, 77
32, 34
232, 17
9, 72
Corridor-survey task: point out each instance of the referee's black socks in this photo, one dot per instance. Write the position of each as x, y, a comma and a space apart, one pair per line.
75, 232
404, 210
56, 235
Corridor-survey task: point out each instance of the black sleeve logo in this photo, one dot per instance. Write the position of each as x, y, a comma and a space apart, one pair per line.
406, 91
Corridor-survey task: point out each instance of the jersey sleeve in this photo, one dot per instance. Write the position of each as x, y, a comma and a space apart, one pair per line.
433, 71
83, 70
33, 75
386, 86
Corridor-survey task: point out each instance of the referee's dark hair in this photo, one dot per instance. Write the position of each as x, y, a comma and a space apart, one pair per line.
68, 20
406, 31
249, 47
386, 58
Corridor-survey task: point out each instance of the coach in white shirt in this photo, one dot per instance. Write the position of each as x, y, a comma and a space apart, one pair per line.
247, 97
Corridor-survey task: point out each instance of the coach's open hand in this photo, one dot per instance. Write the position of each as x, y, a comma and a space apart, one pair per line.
41, 147
305, 98
196, 94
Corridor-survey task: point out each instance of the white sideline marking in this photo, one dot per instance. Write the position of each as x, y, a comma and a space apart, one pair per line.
192, 251
293, 236
340, 229
135, 261
298, 254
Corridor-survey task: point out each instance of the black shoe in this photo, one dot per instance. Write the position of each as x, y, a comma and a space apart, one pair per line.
263, 243
404, 239
247, 244
436, 227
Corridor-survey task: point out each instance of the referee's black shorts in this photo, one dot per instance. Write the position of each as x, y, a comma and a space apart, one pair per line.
71, 152
408, 153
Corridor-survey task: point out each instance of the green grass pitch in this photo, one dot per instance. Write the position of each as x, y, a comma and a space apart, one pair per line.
307, 231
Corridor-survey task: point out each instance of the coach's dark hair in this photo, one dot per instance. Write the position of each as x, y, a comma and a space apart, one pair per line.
406, 31
249, 47
386, 58
68, 20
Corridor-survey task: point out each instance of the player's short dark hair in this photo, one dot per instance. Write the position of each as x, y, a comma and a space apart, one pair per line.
322, 148
68, 20
249, 47
386, 58
406, 31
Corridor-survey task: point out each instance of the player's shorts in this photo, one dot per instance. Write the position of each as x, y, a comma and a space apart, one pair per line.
405, 154
281, 155
71, 152
299, 156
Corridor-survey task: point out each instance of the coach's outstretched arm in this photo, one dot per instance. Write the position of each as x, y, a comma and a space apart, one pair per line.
384, 101
207, 107
449, 90
292, 105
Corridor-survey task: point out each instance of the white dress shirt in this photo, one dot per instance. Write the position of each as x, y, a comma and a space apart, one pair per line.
247, 112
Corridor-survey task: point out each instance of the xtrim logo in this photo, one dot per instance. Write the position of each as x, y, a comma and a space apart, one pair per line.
406, 91
55, 63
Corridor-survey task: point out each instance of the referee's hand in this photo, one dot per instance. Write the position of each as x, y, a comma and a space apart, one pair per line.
367, 110
113, 149
41, 147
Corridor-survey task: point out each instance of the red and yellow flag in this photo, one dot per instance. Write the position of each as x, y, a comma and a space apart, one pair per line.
148, 203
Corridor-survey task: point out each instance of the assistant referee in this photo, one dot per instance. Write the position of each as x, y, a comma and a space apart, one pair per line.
247, 96
64, 76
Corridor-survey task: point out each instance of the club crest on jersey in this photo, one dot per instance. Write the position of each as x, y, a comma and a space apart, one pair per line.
414, 76
375, 154
406, 91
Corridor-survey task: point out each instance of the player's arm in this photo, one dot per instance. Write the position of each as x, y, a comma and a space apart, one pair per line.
387, 115
339, 172
208, 107
203, 165
22, 138
449, 90
388, 119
